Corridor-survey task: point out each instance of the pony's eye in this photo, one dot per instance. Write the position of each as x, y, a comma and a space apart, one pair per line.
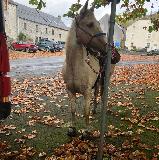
90, 25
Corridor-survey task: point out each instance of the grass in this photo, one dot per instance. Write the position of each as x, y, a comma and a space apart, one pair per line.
49, 137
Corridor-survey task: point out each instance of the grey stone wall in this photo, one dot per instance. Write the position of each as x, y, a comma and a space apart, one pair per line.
35, 30
10, 21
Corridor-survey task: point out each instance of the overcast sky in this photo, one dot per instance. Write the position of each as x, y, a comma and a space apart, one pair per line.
60, 7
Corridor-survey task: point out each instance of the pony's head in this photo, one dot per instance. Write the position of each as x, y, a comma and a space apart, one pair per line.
88, 30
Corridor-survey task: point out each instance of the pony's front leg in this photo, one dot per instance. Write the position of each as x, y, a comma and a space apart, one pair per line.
72, 103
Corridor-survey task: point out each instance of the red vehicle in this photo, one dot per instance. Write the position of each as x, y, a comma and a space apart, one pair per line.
24, 46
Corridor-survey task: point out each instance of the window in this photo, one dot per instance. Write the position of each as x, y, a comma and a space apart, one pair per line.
36, 40
36, 28
46, 31
148, 45
145, 27
52, 32
132, 44
59, 35
149, 35
25, 26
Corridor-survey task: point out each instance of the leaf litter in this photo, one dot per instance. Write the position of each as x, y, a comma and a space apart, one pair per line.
29, 96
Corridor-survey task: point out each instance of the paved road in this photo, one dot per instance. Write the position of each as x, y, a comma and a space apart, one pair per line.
50, 65
36, 66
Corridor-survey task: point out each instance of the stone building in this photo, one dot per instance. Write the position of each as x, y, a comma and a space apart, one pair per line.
33, 23
138, 36
10, 16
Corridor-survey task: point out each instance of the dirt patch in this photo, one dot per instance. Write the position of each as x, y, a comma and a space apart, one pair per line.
127, 57
21, 55
124, 57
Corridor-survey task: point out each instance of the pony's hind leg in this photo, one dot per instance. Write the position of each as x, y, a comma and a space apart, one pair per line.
87, 101
72, 103
96, 92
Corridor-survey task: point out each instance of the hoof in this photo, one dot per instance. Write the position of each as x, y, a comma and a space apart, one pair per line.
86, 135
72, 132
94, 111
5, 110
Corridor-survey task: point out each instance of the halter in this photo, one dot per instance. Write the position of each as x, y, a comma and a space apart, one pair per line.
91, 36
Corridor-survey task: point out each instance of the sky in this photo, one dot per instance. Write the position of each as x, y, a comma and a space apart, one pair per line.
60, 7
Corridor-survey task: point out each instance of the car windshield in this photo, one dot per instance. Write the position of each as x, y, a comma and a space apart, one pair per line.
43, 43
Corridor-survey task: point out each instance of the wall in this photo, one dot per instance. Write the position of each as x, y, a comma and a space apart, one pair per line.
137, 35
40, 31
10, 21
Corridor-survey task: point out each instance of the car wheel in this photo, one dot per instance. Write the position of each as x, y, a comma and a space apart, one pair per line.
47, 49
27, 50
14, 49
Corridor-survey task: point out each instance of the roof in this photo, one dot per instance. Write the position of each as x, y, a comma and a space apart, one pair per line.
32, 14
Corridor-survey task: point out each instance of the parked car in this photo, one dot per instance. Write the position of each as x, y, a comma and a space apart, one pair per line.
24, 46
143, 50
153, 52
58, 47
46, 46
62, 44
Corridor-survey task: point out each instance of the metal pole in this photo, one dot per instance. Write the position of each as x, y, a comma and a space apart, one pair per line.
2, 30
107, 69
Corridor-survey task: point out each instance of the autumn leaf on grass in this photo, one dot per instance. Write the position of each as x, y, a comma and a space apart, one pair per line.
137, 155
32, 122
48, 120
25, 153
30, 136
126, 145
10, 127
139, 131
19, 140
3, 146
42, 154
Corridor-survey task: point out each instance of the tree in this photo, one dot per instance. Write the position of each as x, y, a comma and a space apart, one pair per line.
132, 9
39, 3
23, 37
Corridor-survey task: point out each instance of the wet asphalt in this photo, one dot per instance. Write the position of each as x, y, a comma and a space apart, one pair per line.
36, 66
49, 65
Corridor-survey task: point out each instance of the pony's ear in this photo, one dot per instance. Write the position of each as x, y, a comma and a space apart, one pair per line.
84, 9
